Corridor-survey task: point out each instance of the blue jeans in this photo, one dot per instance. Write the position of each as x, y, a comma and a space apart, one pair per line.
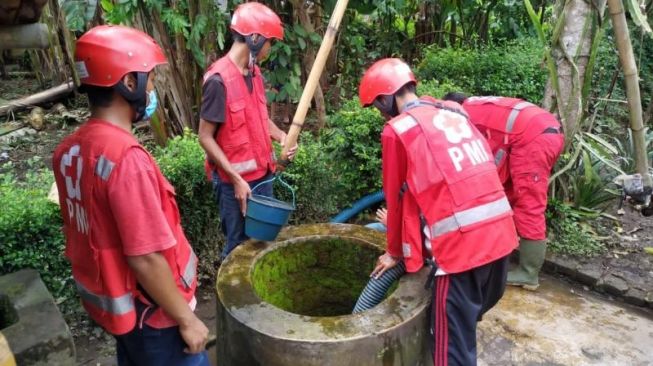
154, 347
231, 218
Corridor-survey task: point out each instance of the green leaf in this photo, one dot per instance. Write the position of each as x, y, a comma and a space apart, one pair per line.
535, 19
638, 18
107, 5
603, 142
300, 30
302, 43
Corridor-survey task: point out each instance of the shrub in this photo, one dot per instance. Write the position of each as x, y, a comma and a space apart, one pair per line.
30, 230
514, 69
568, 233
315, 181
182, 162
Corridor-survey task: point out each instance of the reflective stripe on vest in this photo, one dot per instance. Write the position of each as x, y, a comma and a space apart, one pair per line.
245, 166
189, 272
104, 167
115, 305
403, 124
470, 216
499, 156
510, 123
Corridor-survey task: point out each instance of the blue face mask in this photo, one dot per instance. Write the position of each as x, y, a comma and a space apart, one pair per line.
151, 106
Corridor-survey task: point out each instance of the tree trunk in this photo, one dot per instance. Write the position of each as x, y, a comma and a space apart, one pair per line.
631, 79
173, 80
571, 46
309, 59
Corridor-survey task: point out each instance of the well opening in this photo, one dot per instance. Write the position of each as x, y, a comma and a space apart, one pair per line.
315, 277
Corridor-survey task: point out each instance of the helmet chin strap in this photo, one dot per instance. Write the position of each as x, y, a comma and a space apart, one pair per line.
137, 99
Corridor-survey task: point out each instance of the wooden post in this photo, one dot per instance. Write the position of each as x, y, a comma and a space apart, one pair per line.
24, 36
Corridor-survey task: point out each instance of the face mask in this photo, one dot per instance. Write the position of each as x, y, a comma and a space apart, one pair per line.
151, 106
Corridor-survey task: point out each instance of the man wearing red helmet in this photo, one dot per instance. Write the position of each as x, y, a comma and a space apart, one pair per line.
526, 141
445, 202
132, 265
235, 129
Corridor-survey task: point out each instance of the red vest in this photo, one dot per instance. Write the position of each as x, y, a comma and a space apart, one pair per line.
507, 122
455, 185
245, 134
83, 165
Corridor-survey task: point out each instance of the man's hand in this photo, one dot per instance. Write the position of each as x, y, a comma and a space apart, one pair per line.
384, 263
292, 150
242, 191
382, 216
195, 334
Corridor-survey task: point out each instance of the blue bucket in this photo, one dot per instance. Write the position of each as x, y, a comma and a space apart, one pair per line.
266, 215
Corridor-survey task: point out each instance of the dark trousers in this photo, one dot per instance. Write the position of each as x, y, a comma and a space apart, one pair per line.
149, 346
231, 218
459, 302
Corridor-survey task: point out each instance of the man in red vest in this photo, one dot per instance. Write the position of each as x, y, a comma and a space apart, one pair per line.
235, 129
526, 142
132, 265
444, 202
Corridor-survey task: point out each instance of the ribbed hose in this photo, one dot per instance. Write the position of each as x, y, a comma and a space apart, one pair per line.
376, 289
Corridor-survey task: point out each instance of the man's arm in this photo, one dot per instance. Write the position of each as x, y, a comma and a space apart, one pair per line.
394, 176
242, 190
278, 135
154, 275
135, 200
212, 116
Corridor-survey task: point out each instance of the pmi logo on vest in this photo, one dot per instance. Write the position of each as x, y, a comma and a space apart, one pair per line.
71, 169
456, 129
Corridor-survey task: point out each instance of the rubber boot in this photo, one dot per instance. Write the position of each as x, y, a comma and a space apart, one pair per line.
531, 258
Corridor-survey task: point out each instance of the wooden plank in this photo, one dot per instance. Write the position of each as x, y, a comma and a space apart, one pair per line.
38, 98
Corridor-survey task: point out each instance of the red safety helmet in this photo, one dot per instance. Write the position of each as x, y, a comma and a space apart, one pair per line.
251, 18
106, 53
385, 77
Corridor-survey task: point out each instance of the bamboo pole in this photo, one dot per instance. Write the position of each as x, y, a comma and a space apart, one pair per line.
631, 79
313, 79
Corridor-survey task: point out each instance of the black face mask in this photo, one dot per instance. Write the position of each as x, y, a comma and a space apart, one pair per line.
255, 47
387, 105
137, 98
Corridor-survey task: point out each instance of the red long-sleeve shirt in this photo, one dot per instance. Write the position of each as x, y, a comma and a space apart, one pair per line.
403, 222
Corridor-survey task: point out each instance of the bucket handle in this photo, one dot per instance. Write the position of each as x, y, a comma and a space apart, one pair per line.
283, 182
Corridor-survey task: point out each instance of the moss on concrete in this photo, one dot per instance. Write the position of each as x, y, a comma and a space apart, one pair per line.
8, 315
318, 277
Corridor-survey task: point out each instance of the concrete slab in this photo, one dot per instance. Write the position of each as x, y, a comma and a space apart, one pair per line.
564, 325
39, 337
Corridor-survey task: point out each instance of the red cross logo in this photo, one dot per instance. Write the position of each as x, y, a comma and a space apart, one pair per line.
71, 169
455, 127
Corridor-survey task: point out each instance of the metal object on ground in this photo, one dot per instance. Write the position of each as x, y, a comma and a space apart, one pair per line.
289, 303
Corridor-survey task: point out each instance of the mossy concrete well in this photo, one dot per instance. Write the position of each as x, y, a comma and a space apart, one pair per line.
319, 277
289, 303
